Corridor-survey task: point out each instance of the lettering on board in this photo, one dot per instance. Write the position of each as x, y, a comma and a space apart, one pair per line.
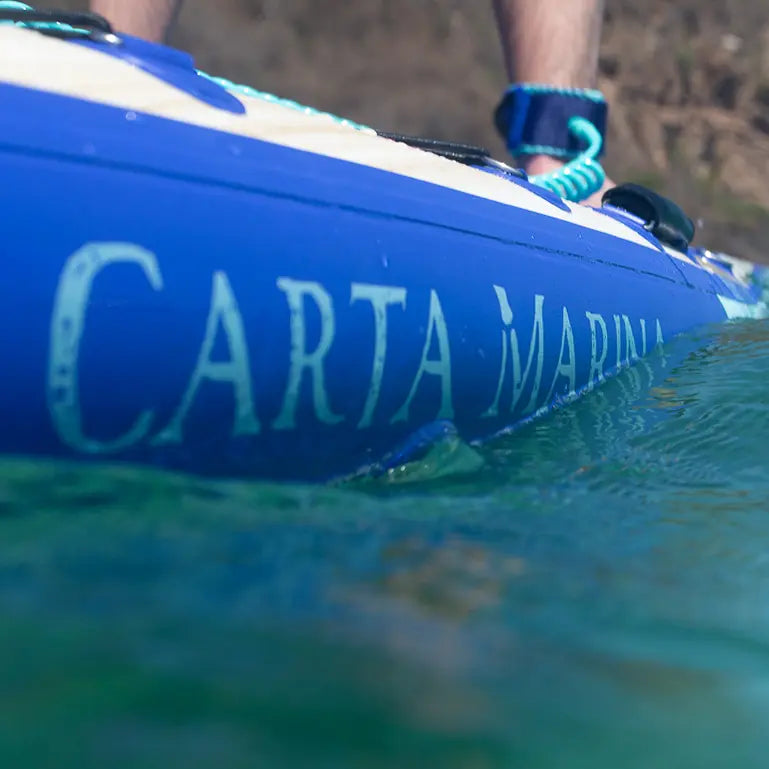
585, 346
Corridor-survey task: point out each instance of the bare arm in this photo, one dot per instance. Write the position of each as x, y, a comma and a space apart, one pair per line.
150, 19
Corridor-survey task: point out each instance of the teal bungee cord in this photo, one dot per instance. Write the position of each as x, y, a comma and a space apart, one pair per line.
576, 181
245, 90
582, 177
11, 5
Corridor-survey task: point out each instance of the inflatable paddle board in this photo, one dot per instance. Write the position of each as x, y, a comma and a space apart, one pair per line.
204, 277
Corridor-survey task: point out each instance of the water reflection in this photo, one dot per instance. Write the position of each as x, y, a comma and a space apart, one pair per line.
588, 591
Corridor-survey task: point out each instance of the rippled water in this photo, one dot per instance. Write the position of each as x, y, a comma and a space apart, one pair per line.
589, 592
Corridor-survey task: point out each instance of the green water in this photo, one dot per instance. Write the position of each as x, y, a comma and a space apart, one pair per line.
590, 592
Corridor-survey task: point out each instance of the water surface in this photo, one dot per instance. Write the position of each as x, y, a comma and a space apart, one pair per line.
588, 592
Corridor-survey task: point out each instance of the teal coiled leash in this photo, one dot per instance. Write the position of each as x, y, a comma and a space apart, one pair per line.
584, 175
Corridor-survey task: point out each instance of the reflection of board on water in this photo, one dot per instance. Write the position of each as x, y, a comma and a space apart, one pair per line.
213, 279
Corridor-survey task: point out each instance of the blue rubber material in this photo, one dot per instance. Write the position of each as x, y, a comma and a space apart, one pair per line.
137, 226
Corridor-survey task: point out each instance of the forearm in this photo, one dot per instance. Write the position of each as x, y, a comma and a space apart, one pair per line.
150, 19
554, 42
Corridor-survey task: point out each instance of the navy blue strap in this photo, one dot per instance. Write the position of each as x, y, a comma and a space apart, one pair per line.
534, 119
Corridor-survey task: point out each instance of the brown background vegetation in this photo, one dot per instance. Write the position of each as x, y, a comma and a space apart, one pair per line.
688, 83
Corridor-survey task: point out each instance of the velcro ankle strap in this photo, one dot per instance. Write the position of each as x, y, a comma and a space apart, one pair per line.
534, 119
